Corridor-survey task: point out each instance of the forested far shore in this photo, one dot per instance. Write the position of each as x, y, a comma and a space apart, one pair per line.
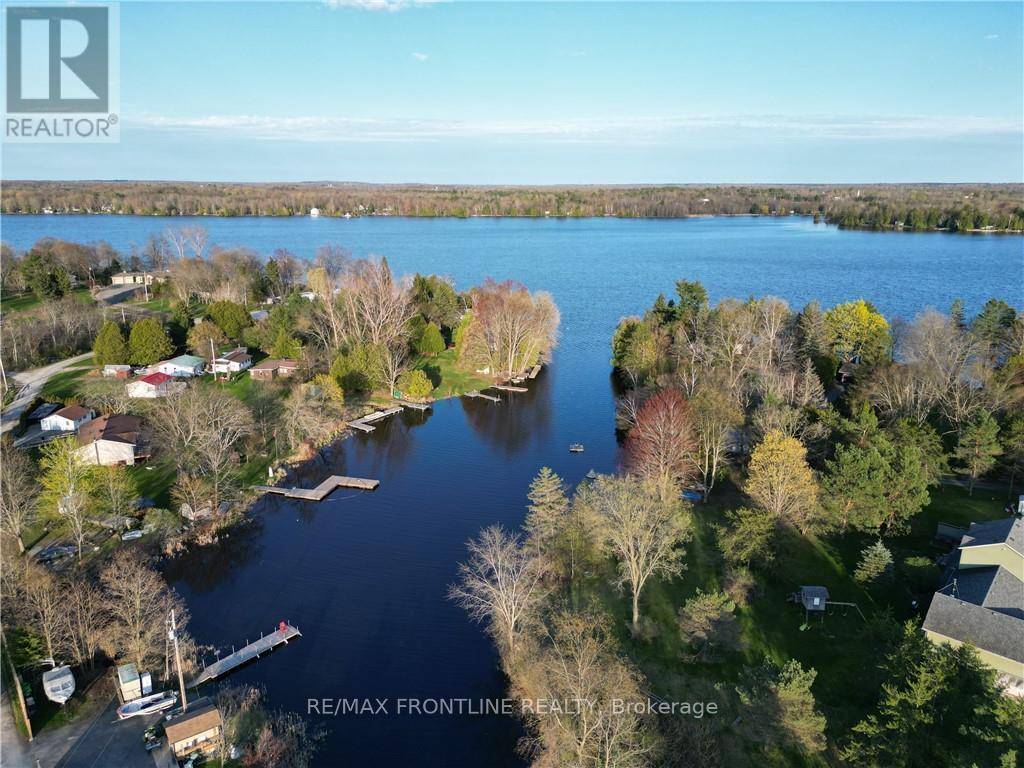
913, 207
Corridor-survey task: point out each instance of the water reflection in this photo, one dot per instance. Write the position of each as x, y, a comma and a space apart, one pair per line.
206, 568
519, 419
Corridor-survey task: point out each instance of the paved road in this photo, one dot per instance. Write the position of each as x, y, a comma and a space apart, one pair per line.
32, 382
110, 742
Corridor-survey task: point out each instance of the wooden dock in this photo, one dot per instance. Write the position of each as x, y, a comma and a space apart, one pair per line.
323, 490
510, 388
363, 424
481, 395
415, 406
535, 371
253, 650
360, 426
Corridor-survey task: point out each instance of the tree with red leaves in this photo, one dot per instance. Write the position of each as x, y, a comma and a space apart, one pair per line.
662, 444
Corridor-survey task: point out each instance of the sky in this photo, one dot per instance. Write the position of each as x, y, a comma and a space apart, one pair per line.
550, 93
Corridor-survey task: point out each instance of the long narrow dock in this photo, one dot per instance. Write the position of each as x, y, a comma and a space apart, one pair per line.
254, 650
492, 398
363, 424
535, 371
415, 406
323, 490
510, 388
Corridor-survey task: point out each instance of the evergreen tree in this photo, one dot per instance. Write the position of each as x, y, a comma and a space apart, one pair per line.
748, 538
547, 511
148, 342
286, 347
230, 317
780, 708
1013, 449
875, 564
110, 347
430, 342
415, 385
956, 314
978, 447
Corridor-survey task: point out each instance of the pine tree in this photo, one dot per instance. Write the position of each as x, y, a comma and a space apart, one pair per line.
547, 510
430, 342
110, 347
978, 447
286, 347
1013, 449
875, 564
956, 314
148, 342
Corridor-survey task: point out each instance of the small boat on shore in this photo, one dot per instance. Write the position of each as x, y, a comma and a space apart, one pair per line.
59, 684
591, 475
576, 448
156, 702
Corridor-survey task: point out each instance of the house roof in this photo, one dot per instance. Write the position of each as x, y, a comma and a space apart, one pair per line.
117, 427
236, 355
44, 410
993, 587
73, 412
1009, 531
185, 361
156, 379
988, 629
194, 722
273, 365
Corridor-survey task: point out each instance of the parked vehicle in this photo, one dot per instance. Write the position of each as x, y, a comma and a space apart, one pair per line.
156, 702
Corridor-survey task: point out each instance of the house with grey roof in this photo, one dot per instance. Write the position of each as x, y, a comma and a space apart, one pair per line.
983, 600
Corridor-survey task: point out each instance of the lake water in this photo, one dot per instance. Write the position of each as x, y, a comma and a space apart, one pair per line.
364, 575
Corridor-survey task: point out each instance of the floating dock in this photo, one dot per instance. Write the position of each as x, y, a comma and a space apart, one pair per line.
323, 490
253, 650
415, 406
492, 398
363, 424
535, 371
510, 388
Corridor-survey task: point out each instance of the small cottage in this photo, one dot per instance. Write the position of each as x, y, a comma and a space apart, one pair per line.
117, 371
271, 369
182, 366
153, 385
236, 360
67, 419
113, 439
201, 729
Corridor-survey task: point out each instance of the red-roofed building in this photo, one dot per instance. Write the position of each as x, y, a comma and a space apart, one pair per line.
153, 385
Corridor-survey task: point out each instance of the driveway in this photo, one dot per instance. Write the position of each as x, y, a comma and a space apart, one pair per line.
31, 383
115, 294
110, 742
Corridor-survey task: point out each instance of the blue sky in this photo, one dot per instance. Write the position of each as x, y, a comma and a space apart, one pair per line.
400, 91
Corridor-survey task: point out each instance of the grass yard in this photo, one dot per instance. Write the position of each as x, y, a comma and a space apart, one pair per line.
448, 377
162, 304
25, 301
842, 647
66, 384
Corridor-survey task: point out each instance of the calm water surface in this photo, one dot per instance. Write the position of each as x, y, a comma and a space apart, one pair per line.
364, 575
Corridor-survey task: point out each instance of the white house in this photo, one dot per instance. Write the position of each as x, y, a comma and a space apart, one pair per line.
153, 385
113, 439
182, 366
236, 360
136, 278
117, 371
67, 419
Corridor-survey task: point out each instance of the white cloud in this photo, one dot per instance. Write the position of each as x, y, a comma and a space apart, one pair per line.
389, 6
623, 131
420, 56
992, 37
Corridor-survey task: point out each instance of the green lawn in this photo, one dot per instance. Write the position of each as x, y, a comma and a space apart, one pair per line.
67, 383
25, 301
162, 304
448, 377
843, 648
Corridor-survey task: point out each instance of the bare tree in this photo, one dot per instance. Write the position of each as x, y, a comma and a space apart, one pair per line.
138, 601
39, 600
18, 490
717, 416
376, 307
605, 729
86, 619
644, 532
501, 584
661, 445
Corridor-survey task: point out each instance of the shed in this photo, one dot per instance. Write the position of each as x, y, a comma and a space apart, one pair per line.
813, 599
198, 730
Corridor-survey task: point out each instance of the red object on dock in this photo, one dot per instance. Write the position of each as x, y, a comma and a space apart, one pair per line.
282, 626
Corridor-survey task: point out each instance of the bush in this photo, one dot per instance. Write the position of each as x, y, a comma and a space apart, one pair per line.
921, 573
415, 385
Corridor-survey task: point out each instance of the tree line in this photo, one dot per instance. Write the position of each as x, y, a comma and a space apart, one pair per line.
958, 207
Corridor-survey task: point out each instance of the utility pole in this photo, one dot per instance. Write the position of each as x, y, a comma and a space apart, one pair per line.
213, 360
177, 662
145, 284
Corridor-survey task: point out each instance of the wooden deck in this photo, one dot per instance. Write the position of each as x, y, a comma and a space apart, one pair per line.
253, 650
363, 424
415, 406
481, 395
510, 388
323, 490
535, 371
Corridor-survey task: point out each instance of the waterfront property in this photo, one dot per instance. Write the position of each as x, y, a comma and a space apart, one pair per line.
135, 278
68, 419
112, 439
200, 729
982, 601
323, 490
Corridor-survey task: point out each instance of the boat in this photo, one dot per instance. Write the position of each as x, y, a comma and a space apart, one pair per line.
591, 475
59, 684
155, 702
576, 448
